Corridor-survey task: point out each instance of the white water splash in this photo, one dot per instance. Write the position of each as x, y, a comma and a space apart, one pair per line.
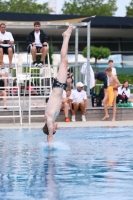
56, 146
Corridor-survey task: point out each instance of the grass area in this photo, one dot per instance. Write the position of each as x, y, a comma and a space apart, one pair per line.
125, 77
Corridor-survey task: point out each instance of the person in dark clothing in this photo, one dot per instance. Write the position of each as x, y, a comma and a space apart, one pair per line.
2, 91
101, 76
69, 76
39, 41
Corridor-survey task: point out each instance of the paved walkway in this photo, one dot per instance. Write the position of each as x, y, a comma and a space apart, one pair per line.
70, 124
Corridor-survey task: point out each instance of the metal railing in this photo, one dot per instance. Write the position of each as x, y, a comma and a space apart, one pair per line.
14, 105
44, 89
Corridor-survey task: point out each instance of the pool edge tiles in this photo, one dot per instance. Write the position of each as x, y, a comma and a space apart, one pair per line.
70, 124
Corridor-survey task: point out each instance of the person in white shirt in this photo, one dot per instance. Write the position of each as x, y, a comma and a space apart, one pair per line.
39, 41
123, 92
78, 100
111, 64
6, 41
4, 72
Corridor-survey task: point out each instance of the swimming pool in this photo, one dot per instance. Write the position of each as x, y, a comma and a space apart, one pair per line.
85, 164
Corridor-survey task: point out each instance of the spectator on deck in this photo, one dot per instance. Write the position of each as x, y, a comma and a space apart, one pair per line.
2, 91
39, 41
111, 64
14, 90
65, 103
5, 73
78, 100
123, 93
69, 76
30, 86
102, 76
6, 41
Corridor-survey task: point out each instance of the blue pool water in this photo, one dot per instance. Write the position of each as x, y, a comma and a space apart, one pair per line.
85, 164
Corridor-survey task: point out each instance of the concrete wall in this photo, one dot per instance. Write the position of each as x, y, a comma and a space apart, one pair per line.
92, 114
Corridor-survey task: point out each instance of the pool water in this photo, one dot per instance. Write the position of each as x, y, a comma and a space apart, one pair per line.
85, 164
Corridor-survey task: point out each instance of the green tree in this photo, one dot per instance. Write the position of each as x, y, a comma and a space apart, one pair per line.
97, 53
129, 9
90, 7
24, 6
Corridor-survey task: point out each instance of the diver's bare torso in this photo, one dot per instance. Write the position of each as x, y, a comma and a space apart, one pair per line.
54, 104
112, 80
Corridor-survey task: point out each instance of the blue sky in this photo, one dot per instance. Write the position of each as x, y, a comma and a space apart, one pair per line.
120, 4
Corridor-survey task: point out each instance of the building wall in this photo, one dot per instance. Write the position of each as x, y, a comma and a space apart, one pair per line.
121, 48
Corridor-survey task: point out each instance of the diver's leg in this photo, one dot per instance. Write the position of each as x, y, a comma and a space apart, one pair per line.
114, 106
105, 103
62, 73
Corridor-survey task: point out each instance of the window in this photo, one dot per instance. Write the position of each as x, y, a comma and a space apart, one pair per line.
127, 46
127, 60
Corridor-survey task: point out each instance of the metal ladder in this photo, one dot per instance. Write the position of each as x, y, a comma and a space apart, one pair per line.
43, 77
15, 99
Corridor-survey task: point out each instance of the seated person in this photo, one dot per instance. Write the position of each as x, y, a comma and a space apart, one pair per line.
78, 100
14, 90
123, 93
6, 41
69, 76
4, 72
65, 103
2, 91
30, 86
39, 41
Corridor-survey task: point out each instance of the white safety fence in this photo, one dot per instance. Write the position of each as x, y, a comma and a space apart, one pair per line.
21, 97
12, 98
44, 86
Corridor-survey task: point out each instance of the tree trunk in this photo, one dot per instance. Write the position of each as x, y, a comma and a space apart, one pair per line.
95, 62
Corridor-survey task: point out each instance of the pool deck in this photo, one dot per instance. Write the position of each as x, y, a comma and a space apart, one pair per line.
93, 114
124, 116
70, 124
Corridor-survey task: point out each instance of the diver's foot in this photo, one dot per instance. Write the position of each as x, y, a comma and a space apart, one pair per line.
34, 104
105, 117
68, 32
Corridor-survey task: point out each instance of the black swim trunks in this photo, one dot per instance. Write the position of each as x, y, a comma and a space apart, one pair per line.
5, 49
57, 84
